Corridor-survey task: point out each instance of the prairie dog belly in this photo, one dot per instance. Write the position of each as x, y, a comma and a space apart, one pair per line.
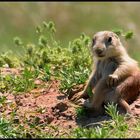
107, 67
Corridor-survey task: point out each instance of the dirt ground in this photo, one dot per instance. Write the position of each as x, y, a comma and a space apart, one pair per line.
48, 105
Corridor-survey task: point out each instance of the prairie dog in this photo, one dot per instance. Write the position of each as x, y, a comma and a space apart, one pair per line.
115, 76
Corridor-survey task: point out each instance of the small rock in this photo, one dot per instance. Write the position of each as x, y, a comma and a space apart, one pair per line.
50, 119
37, 82
62, 106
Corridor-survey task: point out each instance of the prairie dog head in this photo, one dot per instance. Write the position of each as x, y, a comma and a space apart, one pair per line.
106, 44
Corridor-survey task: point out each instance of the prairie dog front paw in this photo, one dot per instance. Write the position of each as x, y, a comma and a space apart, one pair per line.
112, 80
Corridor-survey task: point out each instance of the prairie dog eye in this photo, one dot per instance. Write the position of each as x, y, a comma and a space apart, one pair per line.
109, 39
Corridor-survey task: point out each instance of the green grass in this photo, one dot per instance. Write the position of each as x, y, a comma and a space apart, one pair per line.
116, 128
71, 65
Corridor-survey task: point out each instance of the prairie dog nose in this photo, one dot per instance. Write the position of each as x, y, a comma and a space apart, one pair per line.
99, 51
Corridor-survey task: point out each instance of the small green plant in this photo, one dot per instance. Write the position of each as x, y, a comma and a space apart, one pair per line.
25, 82
5, 83
6, 131
72, 77
80, 111
78, 68
19, 83
2, 100
119, 120
90, 133
127, 35
7, 59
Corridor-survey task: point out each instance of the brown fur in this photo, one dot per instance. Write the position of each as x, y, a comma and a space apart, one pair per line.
115, 76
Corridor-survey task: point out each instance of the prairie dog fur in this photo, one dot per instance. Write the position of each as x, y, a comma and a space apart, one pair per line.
115, 76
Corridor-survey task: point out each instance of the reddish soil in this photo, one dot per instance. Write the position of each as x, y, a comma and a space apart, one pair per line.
48, 105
